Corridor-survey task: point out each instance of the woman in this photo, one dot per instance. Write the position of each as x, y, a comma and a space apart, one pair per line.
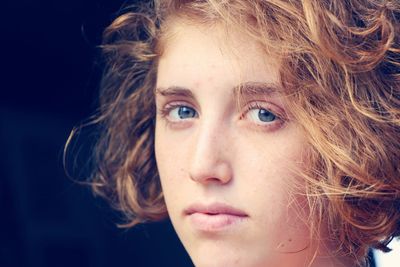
267, 131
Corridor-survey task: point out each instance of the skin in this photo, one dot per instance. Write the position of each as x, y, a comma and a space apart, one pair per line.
224, 151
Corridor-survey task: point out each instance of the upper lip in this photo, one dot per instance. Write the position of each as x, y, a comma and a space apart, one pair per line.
213, 209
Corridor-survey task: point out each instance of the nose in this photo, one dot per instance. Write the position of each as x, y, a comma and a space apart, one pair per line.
210, 158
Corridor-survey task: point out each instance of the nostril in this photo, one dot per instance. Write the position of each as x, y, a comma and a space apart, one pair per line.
208, 179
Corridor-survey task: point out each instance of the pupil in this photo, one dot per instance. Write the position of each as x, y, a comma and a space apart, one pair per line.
185, 112
266, 116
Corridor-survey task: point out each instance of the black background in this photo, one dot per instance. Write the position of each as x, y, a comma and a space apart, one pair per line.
49, 83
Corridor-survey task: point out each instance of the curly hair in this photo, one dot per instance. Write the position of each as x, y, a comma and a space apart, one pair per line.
340, 69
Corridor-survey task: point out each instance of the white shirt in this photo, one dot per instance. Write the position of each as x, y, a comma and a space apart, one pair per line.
390, 259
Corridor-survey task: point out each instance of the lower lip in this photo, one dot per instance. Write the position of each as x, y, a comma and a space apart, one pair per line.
214, 223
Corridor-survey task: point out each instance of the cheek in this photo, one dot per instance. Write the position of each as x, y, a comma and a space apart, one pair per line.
170, 161
278, 192
277, 161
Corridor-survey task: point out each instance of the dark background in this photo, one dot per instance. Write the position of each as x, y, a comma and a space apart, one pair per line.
49, 82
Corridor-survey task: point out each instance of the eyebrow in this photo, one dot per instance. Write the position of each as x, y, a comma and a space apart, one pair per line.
175, 91
243, 89
256, 89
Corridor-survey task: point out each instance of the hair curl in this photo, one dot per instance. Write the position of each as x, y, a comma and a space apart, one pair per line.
340, 71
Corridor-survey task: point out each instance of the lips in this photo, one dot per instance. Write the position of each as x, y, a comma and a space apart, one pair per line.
214, 217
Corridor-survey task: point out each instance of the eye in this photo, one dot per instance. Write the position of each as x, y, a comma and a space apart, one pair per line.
261, 115
176, 113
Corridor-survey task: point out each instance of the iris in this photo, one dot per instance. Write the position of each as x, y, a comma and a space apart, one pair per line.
186, 112
266, 116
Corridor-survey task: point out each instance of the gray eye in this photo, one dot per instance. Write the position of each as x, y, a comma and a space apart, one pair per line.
265, 115
259, 115
182, 112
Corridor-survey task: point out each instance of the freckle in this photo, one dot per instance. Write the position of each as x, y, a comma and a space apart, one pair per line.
290, 240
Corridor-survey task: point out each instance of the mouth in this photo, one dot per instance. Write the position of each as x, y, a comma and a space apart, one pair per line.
215, 217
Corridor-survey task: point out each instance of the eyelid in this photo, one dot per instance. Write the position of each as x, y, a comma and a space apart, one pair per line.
175, 96
277, 111
166, 108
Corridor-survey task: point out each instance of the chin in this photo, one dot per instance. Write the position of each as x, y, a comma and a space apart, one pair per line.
207, 261
228, 259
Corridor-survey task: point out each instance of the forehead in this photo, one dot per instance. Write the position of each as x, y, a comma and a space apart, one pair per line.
194, 53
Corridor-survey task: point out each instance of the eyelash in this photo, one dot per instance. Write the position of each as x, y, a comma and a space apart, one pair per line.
276, 124
165, 110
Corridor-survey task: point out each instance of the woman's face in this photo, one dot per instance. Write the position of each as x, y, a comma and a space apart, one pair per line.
227, 166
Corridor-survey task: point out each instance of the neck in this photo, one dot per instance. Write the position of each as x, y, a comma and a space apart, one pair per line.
332, 261
327, 257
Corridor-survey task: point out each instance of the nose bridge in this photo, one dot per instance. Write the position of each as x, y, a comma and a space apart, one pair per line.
210, 160
208, 143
